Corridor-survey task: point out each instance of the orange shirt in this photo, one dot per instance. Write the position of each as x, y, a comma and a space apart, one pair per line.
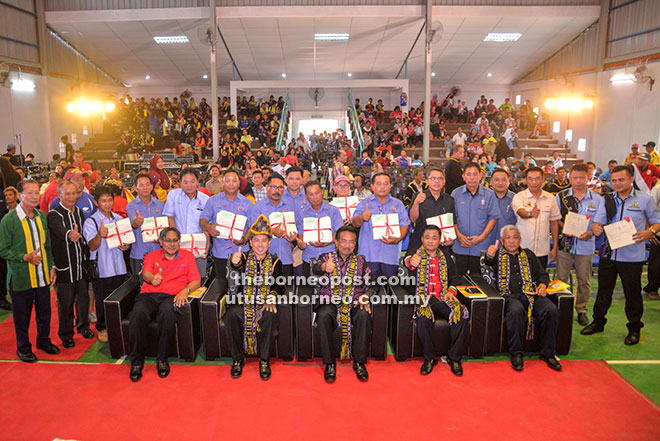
177, 273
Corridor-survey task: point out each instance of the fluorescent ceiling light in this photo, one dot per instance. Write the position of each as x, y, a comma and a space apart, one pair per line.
621, 77
502, 36
331, 37
21, 85
174, 39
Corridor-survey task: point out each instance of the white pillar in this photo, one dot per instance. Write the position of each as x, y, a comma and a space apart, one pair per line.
214, 82
427, 82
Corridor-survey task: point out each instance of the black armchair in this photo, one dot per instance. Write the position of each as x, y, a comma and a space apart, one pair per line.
118, 306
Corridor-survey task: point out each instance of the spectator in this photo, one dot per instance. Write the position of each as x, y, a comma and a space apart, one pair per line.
646, 174
258, 188
459, 137
633, 155
650, 149
359, 189
214, 184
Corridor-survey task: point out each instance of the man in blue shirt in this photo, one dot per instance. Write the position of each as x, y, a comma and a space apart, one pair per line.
626, 262
578, 250
315, 207
84, 201
382, 255
143, 206
606, 176
499, 183
477, 214
295, 196
281, 243
184, 207
229, 200
112, 268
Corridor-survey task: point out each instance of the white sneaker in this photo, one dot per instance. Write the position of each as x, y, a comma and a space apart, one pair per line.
92, 317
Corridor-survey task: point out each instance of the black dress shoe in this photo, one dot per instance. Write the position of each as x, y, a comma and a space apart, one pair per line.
427, 366
632, 338
592, 329
88, 334
163, 368
28, 357
68, 343
136, 372
4, 304
517, 362
50, 349
456, 367
361, 371
552, 362
264, 369
582, 319
330, 374
237, 368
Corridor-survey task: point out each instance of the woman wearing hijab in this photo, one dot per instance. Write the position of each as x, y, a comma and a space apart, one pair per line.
159, 178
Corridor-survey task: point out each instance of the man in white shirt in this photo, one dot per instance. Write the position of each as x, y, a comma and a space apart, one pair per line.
460, 137
538, 214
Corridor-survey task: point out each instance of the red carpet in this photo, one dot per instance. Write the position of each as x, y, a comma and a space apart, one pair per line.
8, 338
587, 401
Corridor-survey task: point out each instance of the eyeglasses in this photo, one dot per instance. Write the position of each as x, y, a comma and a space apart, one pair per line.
171, 240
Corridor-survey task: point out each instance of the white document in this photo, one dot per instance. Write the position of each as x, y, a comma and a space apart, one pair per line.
620, 234
576, 224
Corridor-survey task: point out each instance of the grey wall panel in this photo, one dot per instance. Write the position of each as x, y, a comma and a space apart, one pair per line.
630, 19
28, 5
20, 26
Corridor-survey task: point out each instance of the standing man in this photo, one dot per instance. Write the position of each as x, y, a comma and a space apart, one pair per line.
476, 216
653, 272
294, 192
281, 243
229, 200
258, 189
143, 206
25, 245
111, 264
625, 262
646, 174
84, 200
538, 214
429, 203
416, 186
345, 303
650, 149
315, 208
184, 208
499, 183
454, 170
578, 250
382, 255
65, 223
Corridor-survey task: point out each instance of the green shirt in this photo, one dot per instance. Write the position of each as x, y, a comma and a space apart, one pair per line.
20, 235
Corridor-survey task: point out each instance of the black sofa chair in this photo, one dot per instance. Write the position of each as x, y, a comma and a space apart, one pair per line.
306, 343
213, 327
118, 306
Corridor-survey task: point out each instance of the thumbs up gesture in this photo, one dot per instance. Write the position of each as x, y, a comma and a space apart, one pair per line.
158, 278
535, 211
366, 215
103, 230
492, 250
237, 257
416, 259
34, 257
138, 221
74, 235
329, 266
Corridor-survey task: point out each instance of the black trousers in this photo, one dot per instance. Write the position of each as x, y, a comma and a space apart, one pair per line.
22, 302
68, 295
465, 263
653, 269
543, 260
546, 323
3, 279
147, 306
326, 323
631, 279
103, 287
234, 328
220, 268
287, 270
458, 332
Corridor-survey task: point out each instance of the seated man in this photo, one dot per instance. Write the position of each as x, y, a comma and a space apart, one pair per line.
354, 310
170, 275
436, 274
521, 279
254, 278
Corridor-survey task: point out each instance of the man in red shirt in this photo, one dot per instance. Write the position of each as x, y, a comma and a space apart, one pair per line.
646, 174
436, 274
170, 275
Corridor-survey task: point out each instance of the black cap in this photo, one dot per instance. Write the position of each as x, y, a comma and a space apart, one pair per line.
650, 144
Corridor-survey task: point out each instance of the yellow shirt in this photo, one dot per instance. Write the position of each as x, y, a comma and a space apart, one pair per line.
655, 158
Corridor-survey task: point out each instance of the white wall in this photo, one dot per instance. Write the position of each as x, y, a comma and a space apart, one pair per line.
624, 113
41, 117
